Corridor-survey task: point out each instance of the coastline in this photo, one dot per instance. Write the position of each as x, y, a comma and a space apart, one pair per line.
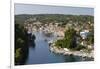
66, 52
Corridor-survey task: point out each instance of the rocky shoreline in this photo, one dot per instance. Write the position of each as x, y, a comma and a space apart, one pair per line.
66, 52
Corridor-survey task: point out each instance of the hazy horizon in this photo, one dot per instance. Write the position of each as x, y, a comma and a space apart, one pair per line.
33, 9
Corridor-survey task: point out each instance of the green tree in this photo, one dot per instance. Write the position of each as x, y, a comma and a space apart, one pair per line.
69, 40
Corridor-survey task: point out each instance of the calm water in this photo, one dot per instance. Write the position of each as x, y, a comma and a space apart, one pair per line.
41, 54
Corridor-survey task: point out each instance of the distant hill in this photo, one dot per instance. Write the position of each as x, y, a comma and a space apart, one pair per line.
60, 18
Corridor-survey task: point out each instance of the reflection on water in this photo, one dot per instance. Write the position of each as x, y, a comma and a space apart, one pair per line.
31, 44
40, 53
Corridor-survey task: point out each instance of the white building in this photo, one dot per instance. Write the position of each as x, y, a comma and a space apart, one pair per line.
84, 34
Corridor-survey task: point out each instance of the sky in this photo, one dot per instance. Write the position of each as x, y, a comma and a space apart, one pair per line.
47, 9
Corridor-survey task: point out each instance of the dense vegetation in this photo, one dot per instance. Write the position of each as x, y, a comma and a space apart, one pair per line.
90, 39
21, 44
69, 40
60, 18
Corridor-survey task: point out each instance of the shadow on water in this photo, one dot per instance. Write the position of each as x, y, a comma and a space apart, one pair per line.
72, 58
25, 50
31, 44
31, 41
